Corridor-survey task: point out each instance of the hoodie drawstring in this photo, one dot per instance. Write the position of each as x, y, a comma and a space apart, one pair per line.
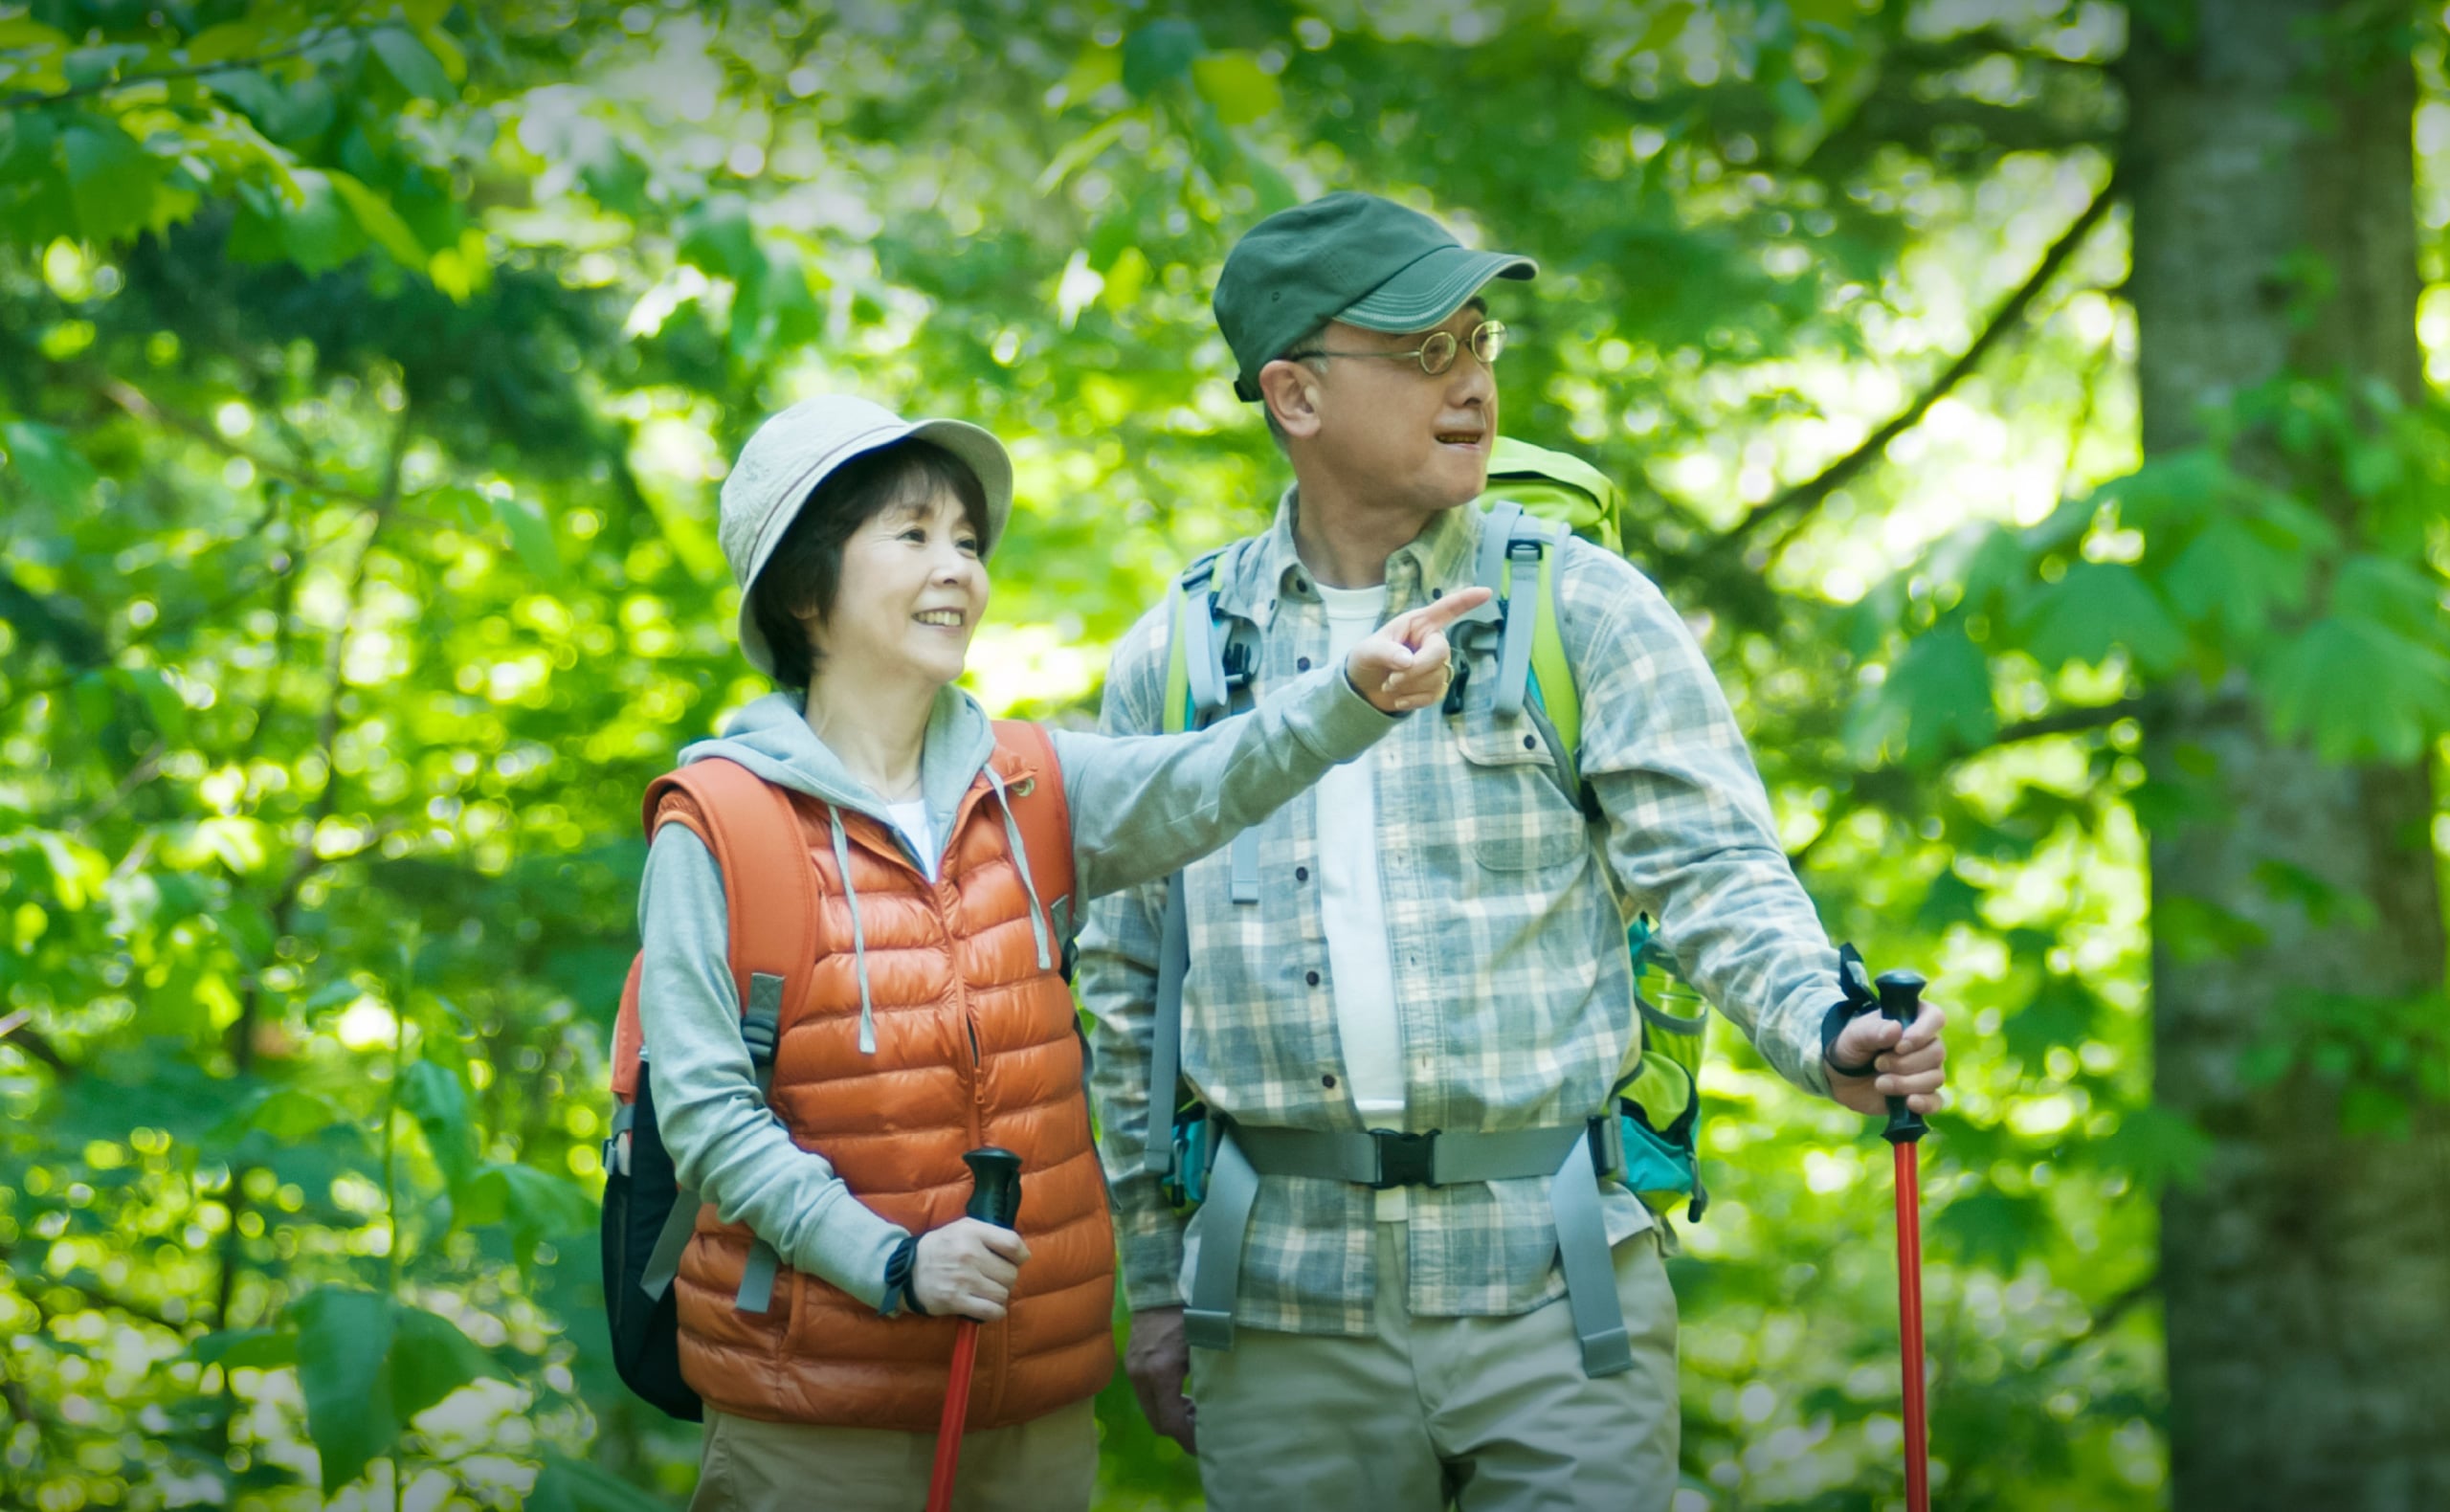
858, 936
1021, 860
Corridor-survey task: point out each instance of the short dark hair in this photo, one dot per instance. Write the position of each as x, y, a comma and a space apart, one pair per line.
800, 580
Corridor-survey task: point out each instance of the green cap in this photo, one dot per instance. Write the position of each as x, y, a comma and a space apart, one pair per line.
1353, 257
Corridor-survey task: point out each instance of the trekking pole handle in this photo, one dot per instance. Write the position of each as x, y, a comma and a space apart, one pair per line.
994, 1186
1900, 1001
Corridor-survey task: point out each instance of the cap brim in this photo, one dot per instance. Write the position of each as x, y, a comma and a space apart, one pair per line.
1430, 288
976, 447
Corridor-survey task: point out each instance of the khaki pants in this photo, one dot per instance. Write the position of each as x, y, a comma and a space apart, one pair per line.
1478, 1414
1048, 1464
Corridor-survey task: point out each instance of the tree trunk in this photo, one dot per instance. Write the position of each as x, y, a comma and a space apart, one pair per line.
2307, 1276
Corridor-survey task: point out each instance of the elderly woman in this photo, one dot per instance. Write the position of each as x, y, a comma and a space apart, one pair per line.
936, 1019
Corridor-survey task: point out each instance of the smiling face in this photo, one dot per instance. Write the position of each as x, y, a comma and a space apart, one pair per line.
1380, 429
899, 524
911, 593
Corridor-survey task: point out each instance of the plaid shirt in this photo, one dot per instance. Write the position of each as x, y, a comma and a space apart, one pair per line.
1512, 983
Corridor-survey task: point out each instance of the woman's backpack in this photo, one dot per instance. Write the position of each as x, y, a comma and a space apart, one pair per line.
770, 895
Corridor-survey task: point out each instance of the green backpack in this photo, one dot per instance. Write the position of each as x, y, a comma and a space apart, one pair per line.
1533, 495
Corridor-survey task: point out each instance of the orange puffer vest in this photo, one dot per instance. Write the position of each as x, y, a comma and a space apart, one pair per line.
976, 1043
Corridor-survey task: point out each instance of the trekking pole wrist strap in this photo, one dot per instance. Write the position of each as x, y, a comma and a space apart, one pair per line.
1854, 982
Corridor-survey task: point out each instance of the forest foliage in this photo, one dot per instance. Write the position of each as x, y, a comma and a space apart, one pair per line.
367, 374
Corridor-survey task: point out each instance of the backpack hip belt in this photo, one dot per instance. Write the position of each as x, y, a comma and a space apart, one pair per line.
1572, 1156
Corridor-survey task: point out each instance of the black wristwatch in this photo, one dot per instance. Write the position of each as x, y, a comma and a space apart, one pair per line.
900, 1272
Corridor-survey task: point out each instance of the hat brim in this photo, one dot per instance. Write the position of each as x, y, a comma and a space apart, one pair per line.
1431, 287
977, 449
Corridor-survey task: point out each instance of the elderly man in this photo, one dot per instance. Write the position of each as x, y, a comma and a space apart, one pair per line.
1460, 1309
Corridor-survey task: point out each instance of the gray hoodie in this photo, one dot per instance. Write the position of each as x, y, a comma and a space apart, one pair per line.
1141, 806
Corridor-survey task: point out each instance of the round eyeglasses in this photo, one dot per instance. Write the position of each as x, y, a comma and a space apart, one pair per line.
1437, 351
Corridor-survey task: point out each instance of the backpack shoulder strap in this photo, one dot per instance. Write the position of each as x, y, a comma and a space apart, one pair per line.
1551, 669
752, 830
769, 889
1519, 548
1044, 815
1196, 692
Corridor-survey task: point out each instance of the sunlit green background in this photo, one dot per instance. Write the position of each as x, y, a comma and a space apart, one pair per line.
367, 376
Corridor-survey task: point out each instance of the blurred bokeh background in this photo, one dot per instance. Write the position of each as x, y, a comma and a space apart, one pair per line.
2032, 406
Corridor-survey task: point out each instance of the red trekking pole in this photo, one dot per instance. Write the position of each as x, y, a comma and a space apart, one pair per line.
1901, 999
995, 1198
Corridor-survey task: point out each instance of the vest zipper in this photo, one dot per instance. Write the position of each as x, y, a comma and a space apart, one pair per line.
993, 1339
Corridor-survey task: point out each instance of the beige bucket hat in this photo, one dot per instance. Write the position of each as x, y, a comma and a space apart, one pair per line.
796, 450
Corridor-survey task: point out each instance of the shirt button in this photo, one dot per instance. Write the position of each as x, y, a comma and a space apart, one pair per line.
1301, 873
1327, 1080
1529, 743
1311, 977
1303, 664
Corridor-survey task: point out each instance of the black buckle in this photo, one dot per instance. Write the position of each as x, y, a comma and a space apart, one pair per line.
1403, 1159
1606, 1138
1237, 661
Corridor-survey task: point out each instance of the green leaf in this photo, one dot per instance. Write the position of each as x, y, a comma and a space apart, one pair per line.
2157, 1147
430, 1359
2391, 593
245, 1348
1092, 72
2170, 491
365, 1365
1158, 53
1995, 1229
718, 239
2230, 574
2196, 929
2063, 1014
25, 139
405, 59
529, 1200
289, 1115
1235, 83
19, 33
380, 223
436, 1100
219, 44
343, 1349
1667, 25
573, 1485
110, 179
523, 519
318, 232
2360, 689
2095, 608
48, 464
1937, 699
1949, 899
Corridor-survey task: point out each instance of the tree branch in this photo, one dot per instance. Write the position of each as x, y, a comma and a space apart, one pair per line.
36, 99
302, 861
2104, 1318
1808, 495
137, 406
2075, 721
18, 1030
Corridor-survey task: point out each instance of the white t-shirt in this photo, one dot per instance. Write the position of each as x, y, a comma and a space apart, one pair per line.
1359, 961
911, 819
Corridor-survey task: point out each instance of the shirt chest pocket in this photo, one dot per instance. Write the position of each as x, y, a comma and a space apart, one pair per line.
1521, 819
